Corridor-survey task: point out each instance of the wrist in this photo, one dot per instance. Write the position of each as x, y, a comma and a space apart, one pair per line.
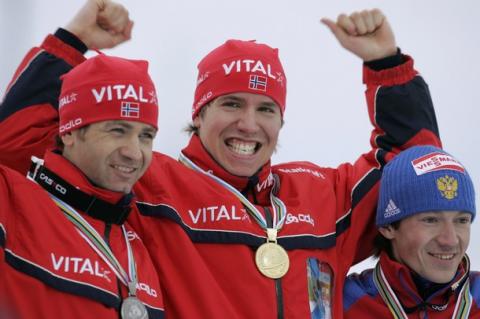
386, 62
71, 39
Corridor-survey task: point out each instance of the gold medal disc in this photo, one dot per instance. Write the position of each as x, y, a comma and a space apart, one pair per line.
272, 260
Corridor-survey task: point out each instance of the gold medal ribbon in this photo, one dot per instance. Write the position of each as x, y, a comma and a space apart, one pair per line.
279, 208
271, 259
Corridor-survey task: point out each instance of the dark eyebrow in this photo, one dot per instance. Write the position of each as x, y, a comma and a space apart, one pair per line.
231, 97
120, 123
151, 130
127, 125
271, 104
239, 99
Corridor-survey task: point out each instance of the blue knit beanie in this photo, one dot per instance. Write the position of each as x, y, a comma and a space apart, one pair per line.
421, 179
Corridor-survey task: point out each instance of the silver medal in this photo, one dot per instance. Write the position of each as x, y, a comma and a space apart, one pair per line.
132, 308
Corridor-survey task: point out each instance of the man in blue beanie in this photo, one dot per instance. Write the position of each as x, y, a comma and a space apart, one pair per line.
425, 210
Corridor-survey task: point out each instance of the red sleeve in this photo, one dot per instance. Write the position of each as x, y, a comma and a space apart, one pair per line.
3, 209
28, 113
402, 114
6, 208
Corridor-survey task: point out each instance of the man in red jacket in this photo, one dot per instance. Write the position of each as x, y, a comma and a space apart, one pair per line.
225, 224
67, 250
231, 235
426, 207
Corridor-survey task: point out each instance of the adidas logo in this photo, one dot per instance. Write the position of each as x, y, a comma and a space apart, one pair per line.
391, 209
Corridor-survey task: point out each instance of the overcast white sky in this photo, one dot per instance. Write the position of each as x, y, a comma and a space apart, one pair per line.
326, 120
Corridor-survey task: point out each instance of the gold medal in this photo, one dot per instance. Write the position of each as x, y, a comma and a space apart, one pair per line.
271, 259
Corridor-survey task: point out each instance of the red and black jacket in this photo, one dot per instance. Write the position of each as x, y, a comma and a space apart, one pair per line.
47, 269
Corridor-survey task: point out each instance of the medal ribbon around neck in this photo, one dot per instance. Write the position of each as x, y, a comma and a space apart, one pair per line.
462, 307
93, 238
279, 208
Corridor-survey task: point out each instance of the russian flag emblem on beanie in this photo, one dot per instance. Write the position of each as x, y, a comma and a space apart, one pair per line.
421, 179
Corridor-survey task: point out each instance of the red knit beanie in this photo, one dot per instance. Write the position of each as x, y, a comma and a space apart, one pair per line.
107, 88
240, 66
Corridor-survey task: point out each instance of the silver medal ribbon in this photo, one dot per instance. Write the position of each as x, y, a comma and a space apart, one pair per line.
132, 307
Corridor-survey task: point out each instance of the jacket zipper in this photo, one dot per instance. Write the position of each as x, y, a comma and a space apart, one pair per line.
278, 282
252, 181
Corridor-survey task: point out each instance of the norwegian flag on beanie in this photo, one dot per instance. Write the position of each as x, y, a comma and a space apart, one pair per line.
107, 88
240, 66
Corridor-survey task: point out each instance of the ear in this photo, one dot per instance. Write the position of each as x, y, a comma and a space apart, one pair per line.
388, 231
197, 121
67, 139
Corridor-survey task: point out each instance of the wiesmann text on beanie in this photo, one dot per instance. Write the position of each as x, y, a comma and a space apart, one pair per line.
107, 88
421, 179
240, 66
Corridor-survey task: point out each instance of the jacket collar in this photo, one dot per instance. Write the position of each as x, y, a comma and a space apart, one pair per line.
67, 171
401, 279
256, 187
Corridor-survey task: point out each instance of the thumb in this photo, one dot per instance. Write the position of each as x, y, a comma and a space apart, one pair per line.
114, 40
338, 32
127, 33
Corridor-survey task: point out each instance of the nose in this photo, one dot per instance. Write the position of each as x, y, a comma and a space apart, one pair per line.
448, 236
131, 149
248, 120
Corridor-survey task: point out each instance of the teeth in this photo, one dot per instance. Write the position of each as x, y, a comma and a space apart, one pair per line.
124, 169
443, 257
243, 148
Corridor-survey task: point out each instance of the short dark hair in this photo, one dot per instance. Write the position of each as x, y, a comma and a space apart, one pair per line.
191, 128
380, 243
58, 140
